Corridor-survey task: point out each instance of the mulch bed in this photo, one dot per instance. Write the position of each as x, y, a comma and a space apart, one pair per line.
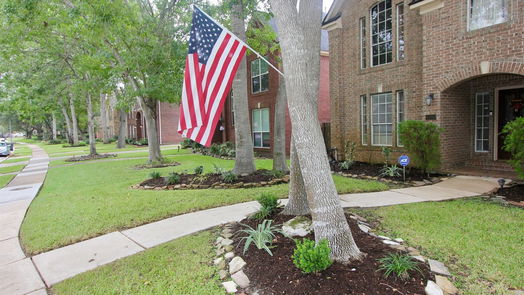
374, 170
90, 157
278, 275
157, 165
193, 181
513, 194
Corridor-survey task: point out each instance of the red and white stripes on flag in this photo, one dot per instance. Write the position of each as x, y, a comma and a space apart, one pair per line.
211, 64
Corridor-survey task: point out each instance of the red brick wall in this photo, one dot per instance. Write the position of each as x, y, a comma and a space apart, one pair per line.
168, 115
324, 103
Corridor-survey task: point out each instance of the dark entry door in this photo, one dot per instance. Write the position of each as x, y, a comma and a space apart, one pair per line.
139, 135
511, 106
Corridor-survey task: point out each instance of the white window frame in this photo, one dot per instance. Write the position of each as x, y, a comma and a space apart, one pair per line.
398, 31
485, 126
373, 123
363, 49
261, 126
469, 11
259, 76
364, 120
371, 34
398, 121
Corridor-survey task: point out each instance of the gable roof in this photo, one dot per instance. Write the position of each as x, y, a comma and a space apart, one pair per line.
334, 12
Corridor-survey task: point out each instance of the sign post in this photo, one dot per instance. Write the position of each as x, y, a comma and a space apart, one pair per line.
403, 161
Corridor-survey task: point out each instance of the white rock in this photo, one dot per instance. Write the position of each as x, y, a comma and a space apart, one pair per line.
384, 237
433, 289
298, 226
229, 255
388, 242
222, 274
218, 260
240, 279
419, 258
446, 285
219, 239
226, 242
438, 267
399, 240
364, 228
236, 264
230, 286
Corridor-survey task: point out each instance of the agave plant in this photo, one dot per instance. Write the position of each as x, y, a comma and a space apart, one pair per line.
262, 237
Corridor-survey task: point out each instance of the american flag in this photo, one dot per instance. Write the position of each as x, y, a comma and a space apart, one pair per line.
212, 61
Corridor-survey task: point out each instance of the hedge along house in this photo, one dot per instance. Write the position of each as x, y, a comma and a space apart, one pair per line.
457, 63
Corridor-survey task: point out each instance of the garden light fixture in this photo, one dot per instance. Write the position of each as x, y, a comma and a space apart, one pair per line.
429, 99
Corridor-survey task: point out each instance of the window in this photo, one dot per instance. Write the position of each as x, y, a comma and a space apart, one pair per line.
485, 13
261, 128
259, 76
363, 43
381, 119
400, 31
364, 119
482, 122
381, 40
401, 112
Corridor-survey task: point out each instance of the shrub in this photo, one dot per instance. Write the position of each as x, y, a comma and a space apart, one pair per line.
422, 141
311, 258
214, 149
262, 237
391, 171
173, 178
199, 170
349, 151
143, 141
398, 264
274, 173
268, 206
514, 143
345, 165
218, 169
155, 174
186, 143
386, 152
228, 177
55, 141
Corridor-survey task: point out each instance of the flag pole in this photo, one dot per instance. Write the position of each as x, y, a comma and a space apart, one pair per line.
193, 6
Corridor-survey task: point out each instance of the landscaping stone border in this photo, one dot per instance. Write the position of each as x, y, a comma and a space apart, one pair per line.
431, 181
217, 185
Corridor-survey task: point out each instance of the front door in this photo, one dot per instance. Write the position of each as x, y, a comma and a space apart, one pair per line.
511, 106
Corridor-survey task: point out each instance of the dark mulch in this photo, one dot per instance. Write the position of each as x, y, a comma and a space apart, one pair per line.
90, 157
369, 169
156, 165
278, 275
258, 176
513, 193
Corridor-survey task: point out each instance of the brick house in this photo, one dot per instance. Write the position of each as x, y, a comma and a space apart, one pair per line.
167, 121
263, 83
457, 63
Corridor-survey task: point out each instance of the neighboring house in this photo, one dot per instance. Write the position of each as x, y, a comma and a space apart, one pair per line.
263, 83
457, 63
167, 123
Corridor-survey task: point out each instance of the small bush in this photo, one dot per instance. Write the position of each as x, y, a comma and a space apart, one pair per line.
215, 149
399, 265
274, 173
218, 170
268, 206
311, 258
514, 143
391, 171
349, 151
386, 152
422, 141
173, 178
155, 174
199, 170
345, 165
262, 237
55, 141
143, 141
228, 177
186, 143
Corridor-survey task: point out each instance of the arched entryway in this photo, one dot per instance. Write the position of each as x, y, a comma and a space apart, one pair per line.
472, 113
139, 126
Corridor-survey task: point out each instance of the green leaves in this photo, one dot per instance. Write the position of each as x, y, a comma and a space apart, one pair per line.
311, 258
262, 237
514, 143
398, 264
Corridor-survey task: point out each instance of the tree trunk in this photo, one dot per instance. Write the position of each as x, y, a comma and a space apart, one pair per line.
69, 133
279, 130
74, 121
104, 118
91, 125
53, 124
297, 203
148, 106
244, 157
122, 129
299, 32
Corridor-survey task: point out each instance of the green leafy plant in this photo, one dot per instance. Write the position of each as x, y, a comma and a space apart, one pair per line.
199, 170
155, 174
215, 149
229, 177
391, 171
173, 178
422, 141
514, 143
268, 206
274, 173
262, 237
386, 152
349, 151
311, 258
186, 143
217, 169
345, 165
398, 264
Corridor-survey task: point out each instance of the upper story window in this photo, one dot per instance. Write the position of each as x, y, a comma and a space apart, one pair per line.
400, 32
485, 13
259, 76
381, 33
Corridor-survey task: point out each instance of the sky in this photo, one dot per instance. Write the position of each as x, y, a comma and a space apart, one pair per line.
325, 5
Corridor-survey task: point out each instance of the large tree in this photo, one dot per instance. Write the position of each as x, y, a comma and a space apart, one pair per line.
299, 32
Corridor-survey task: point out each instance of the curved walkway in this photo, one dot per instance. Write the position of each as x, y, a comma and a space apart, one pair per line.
62, 263
17, 272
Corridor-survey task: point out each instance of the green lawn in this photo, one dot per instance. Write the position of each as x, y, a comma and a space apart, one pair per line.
82, 201
481, 242
10, 169
181, 266
21, 150
5, 179
15, 160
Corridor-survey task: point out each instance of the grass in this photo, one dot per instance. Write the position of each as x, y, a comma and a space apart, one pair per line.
480, 241
83, 201
5, 179
11, 169
21, 150
15, 160
177, 267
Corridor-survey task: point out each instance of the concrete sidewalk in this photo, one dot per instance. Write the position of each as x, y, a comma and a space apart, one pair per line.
18, 273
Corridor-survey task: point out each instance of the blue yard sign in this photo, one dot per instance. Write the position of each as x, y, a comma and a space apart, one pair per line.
403, 160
